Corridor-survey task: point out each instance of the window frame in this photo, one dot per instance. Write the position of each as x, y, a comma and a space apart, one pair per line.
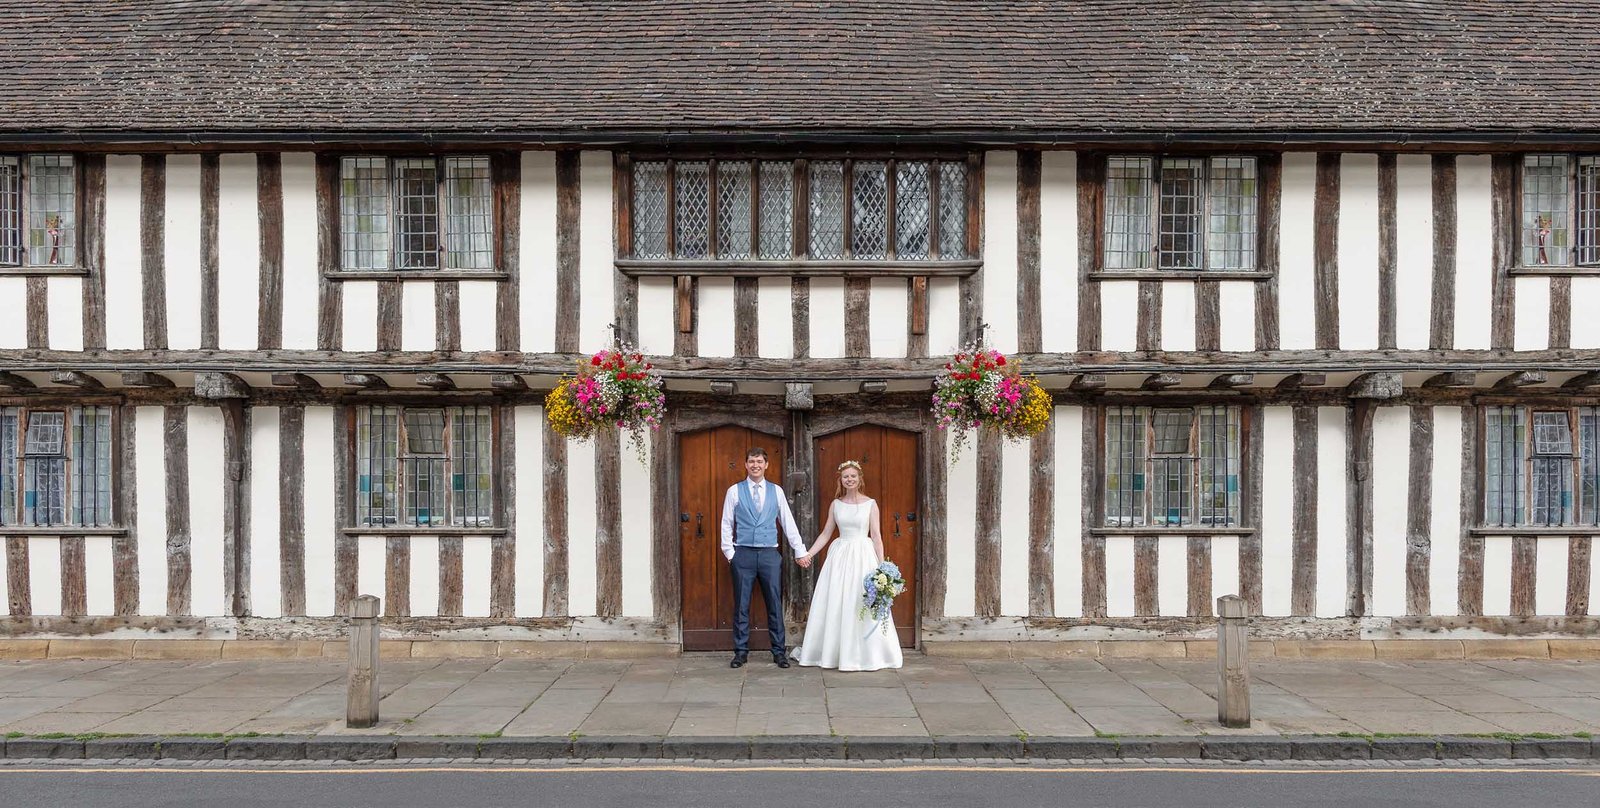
79, 265
800, 262
70, 525
350, 419
335, 269
1516, 206
1102, 522
1263, 206
1569, 407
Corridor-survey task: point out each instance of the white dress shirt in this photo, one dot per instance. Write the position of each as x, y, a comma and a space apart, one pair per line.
767, 489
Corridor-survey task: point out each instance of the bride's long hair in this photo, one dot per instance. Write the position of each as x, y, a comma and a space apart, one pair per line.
838, 488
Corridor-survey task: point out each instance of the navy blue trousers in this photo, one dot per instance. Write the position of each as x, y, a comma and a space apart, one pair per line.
752, 565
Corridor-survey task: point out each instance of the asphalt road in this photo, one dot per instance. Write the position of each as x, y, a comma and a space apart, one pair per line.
1009, 785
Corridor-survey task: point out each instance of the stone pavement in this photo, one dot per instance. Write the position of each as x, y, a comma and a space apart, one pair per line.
697, 695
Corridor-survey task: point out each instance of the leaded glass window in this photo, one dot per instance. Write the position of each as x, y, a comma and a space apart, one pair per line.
55, 466
38, 210
1541, 466
1173, 466
1180, 213
744, 210
1560, 210
424, 467
416, 213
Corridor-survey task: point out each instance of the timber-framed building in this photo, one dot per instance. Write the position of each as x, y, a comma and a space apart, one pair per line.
1315, 287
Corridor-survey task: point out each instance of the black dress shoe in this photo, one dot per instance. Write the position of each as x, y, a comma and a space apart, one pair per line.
780, 660
739, 658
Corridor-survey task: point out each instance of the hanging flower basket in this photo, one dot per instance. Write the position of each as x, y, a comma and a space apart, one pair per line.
614, 389
979, 388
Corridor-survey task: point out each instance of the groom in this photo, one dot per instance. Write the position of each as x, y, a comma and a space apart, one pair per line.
750, 517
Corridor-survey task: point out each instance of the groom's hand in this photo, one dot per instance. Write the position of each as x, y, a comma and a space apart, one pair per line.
804, 562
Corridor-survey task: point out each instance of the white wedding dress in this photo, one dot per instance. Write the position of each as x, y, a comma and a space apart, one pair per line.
837, 635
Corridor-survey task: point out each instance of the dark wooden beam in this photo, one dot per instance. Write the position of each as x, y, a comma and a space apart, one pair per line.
435, 381
1521, 378
298, 380
1161, 381
73, 378
1228, 381
143, 378
1582, 380
507, 381
1376, 386
220, 385
15, 382
366, 381
1297, 380
1088, 382
1453, 378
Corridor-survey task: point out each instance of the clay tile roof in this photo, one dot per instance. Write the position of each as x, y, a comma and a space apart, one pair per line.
593, 69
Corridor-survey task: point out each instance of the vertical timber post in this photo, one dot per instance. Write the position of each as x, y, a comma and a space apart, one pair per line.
1233, 663
361, 710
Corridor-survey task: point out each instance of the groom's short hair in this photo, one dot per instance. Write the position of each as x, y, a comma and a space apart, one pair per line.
755, 451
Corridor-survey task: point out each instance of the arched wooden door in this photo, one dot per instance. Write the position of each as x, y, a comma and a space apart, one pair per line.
709, 461
888, 457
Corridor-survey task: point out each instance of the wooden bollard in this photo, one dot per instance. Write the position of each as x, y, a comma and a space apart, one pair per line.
361, 710
1233, 663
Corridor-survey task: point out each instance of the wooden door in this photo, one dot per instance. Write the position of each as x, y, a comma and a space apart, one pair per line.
888, 458
709, 461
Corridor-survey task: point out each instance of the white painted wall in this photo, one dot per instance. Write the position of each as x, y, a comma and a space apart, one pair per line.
372, 558
1177, 315
1497, 575
581, 526
238, 252
205, 511
417, 316
301, 273
1069, 507
1358, 251
658, 324
536, 254
596, 255
944, 316
1297, 253
1119, 315
1058, 250
1413, 205
1014, 534
64, 308
360, 315
1277, 510
181, 232
150, 478
476, 555
529, 600
961, 502
44, 574
716, 321
1119, 576
5, 594
1000, 249
99, 586
888, 307
1391, 461
1550, 590
1332, 543
1585, 326
1444, 553
639, 509
123, 264
1531, 331
479, 303
13, 303
424, 576
1474, 251
828, 324
1172, 575
1237, 302
266, 591
1224, 567
774, 313
319, 487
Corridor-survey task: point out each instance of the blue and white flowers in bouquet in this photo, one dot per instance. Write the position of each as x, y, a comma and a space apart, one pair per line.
883, 585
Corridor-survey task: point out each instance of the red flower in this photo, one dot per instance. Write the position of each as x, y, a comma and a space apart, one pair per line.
1001, 360
595, 361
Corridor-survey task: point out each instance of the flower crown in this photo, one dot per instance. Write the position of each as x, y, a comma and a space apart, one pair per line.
849, 464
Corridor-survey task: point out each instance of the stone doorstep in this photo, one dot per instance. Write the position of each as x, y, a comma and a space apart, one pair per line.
386, 747
1390, 649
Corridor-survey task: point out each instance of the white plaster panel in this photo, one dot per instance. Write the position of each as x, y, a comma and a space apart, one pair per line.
372, 563
1391, 463
1332, 544
827, 318
1058, 251
1444, 553
124, 256
774, 317
657, 323
1531, 319
424, 576
1297, 327
360, 315
64, 309
417, 316
529, 600
1497, 575
150, 478
1237, 303
319, 527
888, 317
960, 595
1014, 533
479, 301
1585, 321
1277, 511
1172, 575
1177, 315
716, 316
99, 586
1119, 576
238, 252
1474, 251
637, 515
44, 575
1358, 251
596, 255
1224, 567
13, 313
181, 233
1413, 207
1119, 315
266, 593
1069, 506
944, 316
581, 527
206, 471
1550, 582
537, 253
302, 275
1000, 249
5, 594
476, 558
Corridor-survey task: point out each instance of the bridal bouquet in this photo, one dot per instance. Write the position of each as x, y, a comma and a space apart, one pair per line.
614, 389
882, 586
979, 387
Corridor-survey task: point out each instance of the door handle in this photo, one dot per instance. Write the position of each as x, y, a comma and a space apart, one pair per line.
897, 524
699, 527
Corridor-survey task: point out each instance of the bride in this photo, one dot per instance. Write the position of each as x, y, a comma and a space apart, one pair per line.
837, 635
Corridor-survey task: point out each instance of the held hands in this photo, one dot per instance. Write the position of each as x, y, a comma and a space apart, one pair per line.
804, 561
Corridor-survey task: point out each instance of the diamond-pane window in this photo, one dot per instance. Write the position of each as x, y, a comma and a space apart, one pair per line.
733, 210
692, 210
911, 208
952, 210
777, 210
827, 209
650, 209
869, 208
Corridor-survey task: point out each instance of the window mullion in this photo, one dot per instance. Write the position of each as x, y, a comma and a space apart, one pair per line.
755, 209
713, 190
1203, 227
441, 215
935, 179
891, 213
671, 215
847, 203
